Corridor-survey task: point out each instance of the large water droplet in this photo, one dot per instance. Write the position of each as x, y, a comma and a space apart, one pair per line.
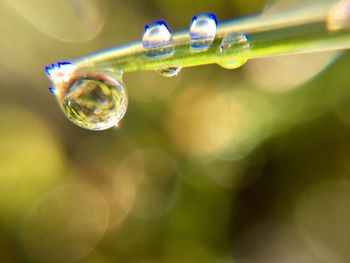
92, 100
234, 51
202, 32
170, 71
95, 102
157, 40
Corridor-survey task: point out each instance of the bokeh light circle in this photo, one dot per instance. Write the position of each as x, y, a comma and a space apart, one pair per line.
65, 225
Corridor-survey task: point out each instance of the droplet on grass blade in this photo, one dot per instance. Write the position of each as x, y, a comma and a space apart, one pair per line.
234, 51
157, 40
170, 71
92, 100
202, 32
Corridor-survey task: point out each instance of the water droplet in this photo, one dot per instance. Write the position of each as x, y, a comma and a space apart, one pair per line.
95, 102
157, 40
170, 71
202, 32
234, 51
92, 100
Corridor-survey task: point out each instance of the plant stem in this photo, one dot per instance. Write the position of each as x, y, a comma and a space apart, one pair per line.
299, 31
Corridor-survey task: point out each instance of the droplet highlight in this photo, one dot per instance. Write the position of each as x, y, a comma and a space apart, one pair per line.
52, 90
234, 51
92, 100
170, 71
157, 40
202, 32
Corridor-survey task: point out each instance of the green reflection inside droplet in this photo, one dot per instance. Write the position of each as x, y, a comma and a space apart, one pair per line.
95, 102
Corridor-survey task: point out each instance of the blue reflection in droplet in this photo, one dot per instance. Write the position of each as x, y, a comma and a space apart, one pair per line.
157, 40
202, 32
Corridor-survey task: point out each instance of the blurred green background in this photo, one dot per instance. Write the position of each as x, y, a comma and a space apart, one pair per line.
250, 165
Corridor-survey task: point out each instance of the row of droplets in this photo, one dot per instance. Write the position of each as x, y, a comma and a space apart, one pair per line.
97, 100
158, 42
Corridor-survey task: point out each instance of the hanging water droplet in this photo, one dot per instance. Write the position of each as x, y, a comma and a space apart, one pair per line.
157, 40
95, 102
234, 51
92, 100
170, 71
202, 32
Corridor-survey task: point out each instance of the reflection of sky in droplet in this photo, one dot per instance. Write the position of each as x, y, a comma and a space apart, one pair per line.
66, 20
157, 40
60, 72
202, 32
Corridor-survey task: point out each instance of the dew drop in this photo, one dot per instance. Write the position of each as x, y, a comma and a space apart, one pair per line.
202, 32
157, 40
234, 51
170, 71
95, 102
92, 100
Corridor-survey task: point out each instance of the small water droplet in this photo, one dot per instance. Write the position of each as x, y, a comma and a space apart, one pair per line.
202, 32
234, 51
92, 100
157, 40
170, 71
